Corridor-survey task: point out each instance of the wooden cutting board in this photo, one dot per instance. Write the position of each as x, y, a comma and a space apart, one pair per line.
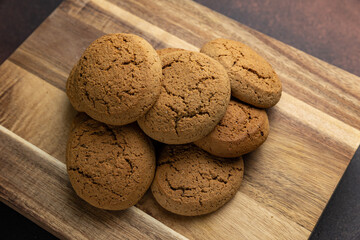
315, 129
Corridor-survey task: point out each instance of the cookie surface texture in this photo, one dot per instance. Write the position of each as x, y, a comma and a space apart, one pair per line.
109, 167
164, 51
252, 78
243, 129
116, 80
191, 182
194, 95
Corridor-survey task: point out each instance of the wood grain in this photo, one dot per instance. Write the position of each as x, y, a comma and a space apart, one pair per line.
315, 128
328, 30
37, 184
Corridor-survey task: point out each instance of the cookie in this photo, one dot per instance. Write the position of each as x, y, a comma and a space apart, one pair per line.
116, 80
70, 89
252, 78
194, 95
109, 167
168, 50
243, 129
190, 181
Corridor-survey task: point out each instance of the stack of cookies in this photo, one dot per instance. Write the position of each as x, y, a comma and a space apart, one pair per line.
202, 110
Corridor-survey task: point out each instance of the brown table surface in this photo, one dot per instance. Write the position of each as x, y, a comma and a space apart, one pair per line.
328, 30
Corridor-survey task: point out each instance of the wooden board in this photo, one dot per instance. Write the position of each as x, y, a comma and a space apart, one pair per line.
315, 129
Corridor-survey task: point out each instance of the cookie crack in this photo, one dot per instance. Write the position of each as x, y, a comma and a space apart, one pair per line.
180, 116
210, 176
132, 62
111, 131
231, 49
176, 120
115, 137
166, 162
199, 64
170, 163
234, 63
129, 92
254, 72
103, 102
123, 147
90, 99
98, 100
202, 80
200, 201
79, 135
194, 59
185, 112
172, 94
197, 111
170, 64
173, 167
195, 115
249, 120
88, 176
219, 179
182, 188
126, 48
131, 165
98, 133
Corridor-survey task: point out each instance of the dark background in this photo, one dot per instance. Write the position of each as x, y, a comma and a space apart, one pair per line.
326, 29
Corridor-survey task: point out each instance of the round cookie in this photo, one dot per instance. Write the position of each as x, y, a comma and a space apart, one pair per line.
116, 80
164, 51
194, 95
109, 167
191, 182
252, 78
242, 130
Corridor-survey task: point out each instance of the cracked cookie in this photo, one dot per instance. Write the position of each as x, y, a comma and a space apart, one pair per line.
191, 182
252, 78
194, 96
242, 130
109, 167
116, 80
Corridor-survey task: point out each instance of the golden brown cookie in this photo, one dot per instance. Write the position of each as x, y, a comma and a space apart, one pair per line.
242, 130
168, 50
252, 78
116, 80
190, 181
194, 95
109, 167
